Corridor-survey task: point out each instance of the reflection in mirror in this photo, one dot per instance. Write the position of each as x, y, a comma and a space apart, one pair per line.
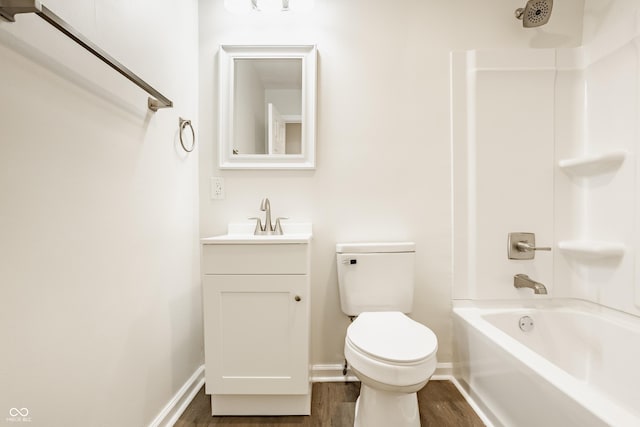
267, 95
267, 107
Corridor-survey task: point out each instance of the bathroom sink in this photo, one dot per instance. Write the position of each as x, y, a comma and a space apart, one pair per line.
242, 233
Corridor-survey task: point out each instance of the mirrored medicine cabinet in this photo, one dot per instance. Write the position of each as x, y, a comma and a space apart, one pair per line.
267, 111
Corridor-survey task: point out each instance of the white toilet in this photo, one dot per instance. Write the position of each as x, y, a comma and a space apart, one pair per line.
392, 355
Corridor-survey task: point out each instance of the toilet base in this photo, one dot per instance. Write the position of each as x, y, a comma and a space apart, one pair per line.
381, 408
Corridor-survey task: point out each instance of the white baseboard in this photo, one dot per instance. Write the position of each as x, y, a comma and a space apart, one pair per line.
179, 402
444, 371
330, 374
333, 373
487, 422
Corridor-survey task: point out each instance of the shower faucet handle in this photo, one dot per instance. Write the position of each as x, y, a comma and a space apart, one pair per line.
523, 246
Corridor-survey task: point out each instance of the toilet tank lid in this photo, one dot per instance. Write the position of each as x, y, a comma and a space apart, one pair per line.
376, 247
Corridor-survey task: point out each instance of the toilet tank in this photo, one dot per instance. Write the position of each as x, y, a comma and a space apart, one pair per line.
376, 276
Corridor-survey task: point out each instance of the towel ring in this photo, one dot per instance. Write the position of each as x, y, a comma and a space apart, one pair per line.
183, 124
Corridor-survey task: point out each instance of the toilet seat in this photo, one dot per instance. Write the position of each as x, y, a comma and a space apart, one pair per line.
392, 337
391, 349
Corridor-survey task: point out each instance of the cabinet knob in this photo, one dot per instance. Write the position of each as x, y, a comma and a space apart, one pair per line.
297, 298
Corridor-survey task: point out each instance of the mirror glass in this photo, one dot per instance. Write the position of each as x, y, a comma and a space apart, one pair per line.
267, 107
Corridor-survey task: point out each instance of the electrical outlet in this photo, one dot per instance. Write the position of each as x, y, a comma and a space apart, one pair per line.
217, 188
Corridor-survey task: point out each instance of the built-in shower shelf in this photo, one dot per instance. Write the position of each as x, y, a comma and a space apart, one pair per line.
593, 164
592, 249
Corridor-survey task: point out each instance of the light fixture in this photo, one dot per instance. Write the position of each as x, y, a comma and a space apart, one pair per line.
267, 6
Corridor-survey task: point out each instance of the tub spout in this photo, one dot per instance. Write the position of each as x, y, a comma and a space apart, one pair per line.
523, 281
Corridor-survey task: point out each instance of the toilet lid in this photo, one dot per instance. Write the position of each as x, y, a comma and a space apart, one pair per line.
392, 336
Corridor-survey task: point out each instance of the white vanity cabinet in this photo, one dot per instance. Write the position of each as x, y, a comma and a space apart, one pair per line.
256, 325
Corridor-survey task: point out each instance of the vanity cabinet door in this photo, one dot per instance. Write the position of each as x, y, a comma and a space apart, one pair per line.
256, 334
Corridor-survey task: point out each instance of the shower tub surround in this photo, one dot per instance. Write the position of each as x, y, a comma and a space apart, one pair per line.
577, 365
546, 141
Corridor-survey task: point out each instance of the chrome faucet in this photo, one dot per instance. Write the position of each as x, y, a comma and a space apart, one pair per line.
523, 281
265, 206
268, 227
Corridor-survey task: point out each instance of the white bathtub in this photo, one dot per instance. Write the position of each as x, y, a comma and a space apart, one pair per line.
579, 366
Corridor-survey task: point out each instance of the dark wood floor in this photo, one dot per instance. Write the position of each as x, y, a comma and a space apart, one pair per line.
333, 404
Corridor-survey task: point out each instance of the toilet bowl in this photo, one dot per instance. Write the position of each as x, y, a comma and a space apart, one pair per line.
393, 356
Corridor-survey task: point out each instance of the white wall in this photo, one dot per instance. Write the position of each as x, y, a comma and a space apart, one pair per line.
383, 148
608, 200
288, 101
100, 315
249, 106
503, 168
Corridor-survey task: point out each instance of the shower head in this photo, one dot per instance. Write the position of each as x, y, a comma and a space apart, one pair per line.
535, 13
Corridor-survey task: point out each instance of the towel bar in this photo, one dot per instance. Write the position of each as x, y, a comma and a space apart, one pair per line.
9, 8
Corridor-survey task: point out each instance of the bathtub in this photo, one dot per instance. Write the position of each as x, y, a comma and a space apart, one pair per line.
578, 366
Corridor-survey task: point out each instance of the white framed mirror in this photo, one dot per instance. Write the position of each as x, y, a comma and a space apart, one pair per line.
267, 111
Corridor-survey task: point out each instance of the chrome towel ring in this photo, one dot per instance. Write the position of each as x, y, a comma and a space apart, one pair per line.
183, 124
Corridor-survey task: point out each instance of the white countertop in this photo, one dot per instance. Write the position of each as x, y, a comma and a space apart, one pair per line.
242, 233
